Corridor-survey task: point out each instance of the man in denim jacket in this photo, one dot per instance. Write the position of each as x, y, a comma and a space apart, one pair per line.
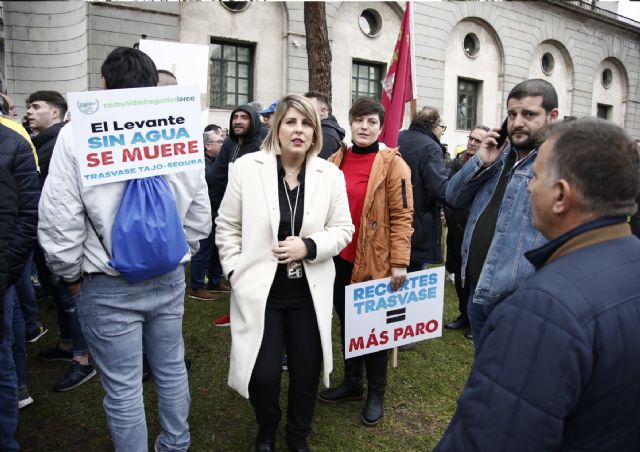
494, 184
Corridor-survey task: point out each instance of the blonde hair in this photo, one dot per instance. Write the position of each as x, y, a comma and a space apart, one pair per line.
308, 110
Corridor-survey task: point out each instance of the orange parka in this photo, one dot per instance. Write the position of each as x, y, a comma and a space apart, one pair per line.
384, 240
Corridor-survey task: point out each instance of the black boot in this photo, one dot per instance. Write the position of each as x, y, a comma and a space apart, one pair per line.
376, 385
351, 389
266, 440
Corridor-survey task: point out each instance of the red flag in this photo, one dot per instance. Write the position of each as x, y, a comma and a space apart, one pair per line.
399, 86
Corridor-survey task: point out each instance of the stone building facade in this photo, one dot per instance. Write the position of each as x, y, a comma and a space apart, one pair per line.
468, 54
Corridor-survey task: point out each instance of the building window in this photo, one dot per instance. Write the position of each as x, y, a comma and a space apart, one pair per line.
604, 111
366, 80
235, 6
231, 74
468, 95
370, 22
607, 78
471, 45
547, 63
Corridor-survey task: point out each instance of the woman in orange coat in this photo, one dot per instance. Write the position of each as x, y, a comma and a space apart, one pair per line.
381, 205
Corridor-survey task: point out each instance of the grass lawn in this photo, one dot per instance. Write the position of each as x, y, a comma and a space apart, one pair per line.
420, 400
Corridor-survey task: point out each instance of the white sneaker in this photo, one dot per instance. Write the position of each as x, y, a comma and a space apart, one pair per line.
24, 399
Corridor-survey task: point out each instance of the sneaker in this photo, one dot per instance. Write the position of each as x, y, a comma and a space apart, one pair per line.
201, 294
33, 336
24, 399
76, 375
225, 320
284, 362
55, 354
222, 286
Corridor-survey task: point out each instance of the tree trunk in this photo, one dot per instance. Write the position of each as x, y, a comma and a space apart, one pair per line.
318, 50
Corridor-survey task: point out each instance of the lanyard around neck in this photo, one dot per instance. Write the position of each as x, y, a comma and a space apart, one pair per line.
292, 212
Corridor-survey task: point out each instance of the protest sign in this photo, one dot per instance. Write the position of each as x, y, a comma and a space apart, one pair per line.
132, 133
376, 318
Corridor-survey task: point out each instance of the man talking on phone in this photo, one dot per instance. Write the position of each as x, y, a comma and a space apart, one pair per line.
493, 184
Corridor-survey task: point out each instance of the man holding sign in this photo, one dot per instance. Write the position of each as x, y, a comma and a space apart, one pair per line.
78, 213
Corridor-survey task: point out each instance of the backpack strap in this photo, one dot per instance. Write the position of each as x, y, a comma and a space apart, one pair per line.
96, 231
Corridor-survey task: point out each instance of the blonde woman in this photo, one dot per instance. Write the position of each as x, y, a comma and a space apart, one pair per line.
283, 217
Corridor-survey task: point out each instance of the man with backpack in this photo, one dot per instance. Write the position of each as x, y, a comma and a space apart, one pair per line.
120, 311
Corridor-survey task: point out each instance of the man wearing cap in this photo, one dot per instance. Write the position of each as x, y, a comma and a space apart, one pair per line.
267, 113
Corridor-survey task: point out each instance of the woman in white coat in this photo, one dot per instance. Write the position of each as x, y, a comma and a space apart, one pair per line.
284, 216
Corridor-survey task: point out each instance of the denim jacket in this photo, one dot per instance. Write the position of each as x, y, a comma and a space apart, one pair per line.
505, 267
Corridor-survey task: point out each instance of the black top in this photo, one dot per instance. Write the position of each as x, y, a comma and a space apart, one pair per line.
486, 224
373, 147
291, 200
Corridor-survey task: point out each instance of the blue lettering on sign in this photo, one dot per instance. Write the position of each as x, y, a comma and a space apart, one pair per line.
379, 296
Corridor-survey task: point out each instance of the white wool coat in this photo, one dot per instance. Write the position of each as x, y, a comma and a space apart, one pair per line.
247, 230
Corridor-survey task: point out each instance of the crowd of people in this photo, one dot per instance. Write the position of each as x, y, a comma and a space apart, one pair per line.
284, 215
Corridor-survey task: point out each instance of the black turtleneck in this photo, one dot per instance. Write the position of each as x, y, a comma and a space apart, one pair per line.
373, 147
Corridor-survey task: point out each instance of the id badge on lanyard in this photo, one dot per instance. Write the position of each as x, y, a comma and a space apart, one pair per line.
294, 268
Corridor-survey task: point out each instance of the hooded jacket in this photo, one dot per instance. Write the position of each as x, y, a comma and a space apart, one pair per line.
332, 136
230, 152
422, 151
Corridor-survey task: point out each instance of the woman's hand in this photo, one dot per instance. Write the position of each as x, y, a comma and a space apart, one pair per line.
291, 249
398, 275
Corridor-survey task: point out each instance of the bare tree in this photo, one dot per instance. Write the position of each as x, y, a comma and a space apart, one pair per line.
318, 50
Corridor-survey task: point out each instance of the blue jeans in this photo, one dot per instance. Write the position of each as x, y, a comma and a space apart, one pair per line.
215, 267
68, 321
118, 320
27, 297
70, 330
478, 314
8, 380
19, 340
200, 263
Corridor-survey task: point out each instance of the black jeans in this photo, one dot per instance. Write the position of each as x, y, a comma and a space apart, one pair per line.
293, 323
376, 362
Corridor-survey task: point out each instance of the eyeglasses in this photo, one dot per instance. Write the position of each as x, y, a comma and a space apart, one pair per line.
443, 127
474, 140
215, 142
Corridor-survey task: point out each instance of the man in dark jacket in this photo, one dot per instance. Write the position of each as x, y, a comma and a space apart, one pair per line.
421, 149
16, 158
332, 133
8, 382
557, 366
45, 114
244, 138
456, 223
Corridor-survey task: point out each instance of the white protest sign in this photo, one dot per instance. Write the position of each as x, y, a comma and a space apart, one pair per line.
377, 318
132, 133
